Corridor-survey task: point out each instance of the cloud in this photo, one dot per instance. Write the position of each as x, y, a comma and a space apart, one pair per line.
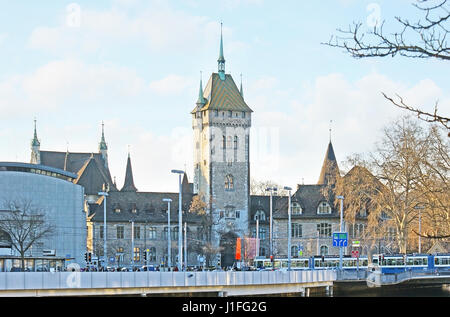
58, 83
171, 84
357, 109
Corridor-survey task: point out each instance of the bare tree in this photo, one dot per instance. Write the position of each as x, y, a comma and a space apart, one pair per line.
425, 38
25, 224
409, 168
259, 187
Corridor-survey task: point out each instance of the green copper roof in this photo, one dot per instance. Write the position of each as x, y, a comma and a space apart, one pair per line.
221, 60
201, 100
223, 95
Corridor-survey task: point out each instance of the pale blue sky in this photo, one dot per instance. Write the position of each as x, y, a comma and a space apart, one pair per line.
135, 64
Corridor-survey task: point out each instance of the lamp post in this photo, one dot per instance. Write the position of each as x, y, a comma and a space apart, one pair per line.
169, 240
180, 222
132, 245
271, 190
104, 194
418, 207
340, 229
289, 226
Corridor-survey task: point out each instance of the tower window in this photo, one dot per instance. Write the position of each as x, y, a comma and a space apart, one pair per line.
235, 142
216, 113
229, 185
243, 114
230, 114
224, 142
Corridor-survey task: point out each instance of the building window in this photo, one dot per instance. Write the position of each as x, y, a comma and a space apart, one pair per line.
173, 233
260, 215
324, 250
117, 209
296, 208
294, 251
324, 208
120, 232
229, 142
152, 254
224, 142
136, 254
229, 185
235, 142
230, 114
101, 232
296, 230
238, 214
137, 232
152, 233
324, 229
216, 113
243, 114
262, 233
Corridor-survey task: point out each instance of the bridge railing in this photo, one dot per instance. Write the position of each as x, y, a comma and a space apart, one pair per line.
70, 280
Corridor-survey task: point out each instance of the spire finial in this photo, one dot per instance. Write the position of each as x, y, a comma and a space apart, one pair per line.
221, 60
330, 128
102, 145
35, 141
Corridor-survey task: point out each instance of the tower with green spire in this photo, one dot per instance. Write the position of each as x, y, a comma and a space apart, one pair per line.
221, 123
35, 148
102, 147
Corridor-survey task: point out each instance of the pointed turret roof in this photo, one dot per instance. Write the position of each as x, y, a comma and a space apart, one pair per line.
35, 141
128, 185
102, 145
221, 60
329, 167
201, 101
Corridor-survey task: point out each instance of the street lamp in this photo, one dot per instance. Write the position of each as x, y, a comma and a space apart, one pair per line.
340, 229
132, 244
180, 223
289, 226
169, 240
104, 194
419, 207
271, 190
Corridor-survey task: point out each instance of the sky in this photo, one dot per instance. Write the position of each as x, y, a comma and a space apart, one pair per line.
135, 65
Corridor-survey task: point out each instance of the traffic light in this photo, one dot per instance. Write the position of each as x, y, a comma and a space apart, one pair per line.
89, 257
86, 257
219, 260
271, 258
145, 255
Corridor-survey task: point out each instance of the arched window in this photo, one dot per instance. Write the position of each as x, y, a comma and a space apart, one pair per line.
224, 142
260, 215
324, 250
324, 208
235, 142
229, 142
229, 185
294, 251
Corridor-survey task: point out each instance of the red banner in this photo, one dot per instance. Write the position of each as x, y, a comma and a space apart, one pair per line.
238, 248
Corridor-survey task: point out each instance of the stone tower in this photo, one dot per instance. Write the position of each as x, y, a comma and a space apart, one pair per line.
221, 122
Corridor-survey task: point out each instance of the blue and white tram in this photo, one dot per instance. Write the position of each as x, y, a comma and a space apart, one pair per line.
277, 264
414, 262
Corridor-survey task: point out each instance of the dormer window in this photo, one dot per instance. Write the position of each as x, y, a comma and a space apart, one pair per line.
296, 208
117, 210
324, 208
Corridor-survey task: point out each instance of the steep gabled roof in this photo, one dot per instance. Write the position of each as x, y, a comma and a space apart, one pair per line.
90, 168
223, 95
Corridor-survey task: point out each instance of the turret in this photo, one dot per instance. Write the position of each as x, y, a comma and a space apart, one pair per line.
35, 148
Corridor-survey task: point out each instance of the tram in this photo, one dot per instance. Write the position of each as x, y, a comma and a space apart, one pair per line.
393, 263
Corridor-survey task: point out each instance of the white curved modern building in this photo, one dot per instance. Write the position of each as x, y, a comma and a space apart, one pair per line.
60, 201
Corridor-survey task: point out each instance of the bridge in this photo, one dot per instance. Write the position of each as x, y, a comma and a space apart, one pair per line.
229, 283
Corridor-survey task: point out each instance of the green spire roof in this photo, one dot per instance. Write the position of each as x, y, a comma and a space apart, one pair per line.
102, 145
221, 60
35, 141
201, 100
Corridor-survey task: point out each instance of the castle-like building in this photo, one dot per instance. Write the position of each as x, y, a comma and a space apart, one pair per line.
137, 228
